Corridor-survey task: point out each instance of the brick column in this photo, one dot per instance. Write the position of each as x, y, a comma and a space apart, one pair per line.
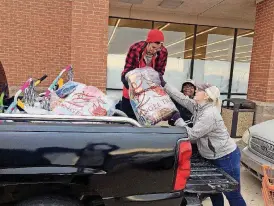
261, 79
89, 41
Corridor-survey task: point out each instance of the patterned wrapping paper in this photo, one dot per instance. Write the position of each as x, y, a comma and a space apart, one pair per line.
83, 101
150, 103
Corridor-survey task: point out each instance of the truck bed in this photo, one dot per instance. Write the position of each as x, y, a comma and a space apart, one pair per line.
206, 177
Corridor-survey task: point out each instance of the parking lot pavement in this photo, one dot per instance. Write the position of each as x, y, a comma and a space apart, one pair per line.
251, 190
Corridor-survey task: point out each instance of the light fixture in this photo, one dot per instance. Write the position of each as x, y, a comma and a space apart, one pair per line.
182, 40
243, 57
190, 37
227, 55
219, 50
213, 43
191, 55
171, 4
247, 34
180, 52
164, 26
217, 56
132, 1
243, 52
244, 45
113, 32
217, 42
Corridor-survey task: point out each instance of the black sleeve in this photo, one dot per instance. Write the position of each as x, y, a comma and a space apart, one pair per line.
171, 122
123, 79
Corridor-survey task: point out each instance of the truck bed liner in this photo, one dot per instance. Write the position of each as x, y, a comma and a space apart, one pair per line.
207, 178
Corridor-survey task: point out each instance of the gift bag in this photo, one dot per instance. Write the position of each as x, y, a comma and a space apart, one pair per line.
67, 89
83, 101
150, 103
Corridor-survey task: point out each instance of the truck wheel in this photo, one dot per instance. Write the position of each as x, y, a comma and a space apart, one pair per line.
49, 201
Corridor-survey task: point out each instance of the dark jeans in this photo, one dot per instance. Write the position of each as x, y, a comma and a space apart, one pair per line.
127, 108
231, 165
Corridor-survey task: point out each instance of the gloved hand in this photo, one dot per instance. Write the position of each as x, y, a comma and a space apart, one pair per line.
163, 82
171, 122
173, 118
176, 117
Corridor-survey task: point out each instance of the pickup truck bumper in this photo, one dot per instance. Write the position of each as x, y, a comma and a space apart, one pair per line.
253, 163
164, 199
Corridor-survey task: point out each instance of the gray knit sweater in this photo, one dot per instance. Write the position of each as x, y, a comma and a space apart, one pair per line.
209, 131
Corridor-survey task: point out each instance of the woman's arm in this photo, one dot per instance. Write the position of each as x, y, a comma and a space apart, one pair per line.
205, 124
180, 98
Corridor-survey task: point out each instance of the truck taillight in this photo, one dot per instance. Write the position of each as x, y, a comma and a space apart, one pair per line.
183, 165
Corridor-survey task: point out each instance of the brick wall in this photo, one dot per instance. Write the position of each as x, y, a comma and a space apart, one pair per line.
89, 41
34, 38
41, 37
261, 78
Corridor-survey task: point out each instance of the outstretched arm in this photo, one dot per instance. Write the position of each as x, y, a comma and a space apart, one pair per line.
180, 98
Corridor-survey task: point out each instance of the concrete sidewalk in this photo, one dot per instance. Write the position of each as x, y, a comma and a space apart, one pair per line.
251, 190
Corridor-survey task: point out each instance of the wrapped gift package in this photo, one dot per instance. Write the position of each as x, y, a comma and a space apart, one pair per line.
150, 103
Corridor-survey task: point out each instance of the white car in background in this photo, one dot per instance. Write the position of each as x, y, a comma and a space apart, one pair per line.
258, 148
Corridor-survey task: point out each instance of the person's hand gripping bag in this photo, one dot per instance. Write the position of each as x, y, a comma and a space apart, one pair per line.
150, 103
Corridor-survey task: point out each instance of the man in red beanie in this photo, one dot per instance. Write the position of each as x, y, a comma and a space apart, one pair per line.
150, 53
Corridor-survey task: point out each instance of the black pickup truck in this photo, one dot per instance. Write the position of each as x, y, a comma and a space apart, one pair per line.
71, 161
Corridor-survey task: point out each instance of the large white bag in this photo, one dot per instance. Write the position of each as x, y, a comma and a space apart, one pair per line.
83, 101
150, 103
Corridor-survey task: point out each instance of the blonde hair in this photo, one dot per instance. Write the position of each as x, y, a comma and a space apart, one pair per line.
213, 94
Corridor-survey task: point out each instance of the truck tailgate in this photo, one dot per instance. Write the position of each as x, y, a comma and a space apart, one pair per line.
207, 178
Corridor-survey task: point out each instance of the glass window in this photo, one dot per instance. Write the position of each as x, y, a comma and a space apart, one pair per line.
122, 34
179, 43
239, 96
223, 96
213, 53
212, 59
242, 61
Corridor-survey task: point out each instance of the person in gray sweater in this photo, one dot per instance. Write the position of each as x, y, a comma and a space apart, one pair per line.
213, 140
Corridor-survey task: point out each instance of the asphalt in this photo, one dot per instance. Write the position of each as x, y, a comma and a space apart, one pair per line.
251, 190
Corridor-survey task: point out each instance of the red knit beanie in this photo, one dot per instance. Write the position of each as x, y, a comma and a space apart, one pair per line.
155, 35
